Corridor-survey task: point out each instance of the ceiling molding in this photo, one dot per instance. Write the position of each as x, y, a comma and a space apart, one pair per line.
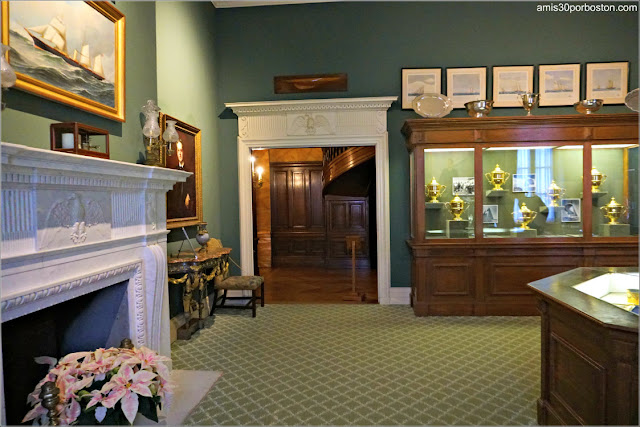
249, 3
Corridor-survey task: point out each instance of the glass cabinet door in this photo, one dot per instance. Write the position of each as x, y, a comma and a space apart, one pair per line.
532, 191
449, 193
614, 188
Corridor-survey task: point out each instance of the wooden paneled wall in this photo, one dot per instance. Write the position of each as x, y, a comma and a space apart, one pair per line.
297, 214
263, 194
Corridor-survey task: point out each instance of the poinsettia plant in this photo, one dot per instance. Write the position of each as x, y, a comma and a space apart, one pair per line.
106, 386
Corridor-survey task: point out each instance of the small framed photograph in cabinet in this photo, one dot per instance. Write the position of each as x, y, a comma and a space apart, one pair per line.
524, 183
509, 83
559, 84
418, 81
608, 81
570, 210
466, 85
489, 214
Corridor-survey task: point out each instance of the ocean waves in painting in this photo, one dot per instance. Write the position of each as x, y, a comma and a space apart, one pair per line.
52, 69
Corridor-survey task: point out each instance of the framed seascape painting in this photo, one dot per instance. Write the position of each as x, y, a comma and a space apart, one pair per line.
184, 201
466, 85
509, 83
68, 51
608, 81
559, 84
418, 81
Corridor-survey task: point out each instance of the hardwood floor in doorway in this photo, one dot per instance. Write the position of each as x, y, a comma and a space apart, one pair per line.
302, 285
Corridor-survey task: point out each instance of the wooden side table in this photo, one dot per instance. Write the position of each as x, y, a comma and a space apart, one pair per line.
193, 273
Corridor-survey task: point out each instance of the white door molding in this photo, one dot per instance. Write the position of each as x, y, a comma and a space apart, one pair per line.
316, 123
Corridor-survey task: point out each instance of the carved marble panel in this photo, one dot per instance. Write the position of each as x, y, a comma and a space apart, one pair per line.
68, 218
18, 221
311, 123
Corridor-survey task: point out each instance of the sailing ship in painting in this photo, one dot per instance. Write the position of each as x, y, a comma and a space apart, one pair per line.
68, 46
53, 38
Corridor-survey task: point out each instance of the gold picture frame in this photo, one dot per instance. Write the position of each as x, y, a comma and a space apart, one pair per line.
184, 201
92, 77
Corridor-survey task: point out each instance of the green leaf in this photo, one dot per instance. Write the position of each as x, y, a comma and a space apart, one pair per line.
147, 407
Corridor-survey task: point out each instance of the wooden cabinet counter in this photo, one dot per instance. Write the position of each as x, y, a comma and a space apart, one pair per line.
589, 352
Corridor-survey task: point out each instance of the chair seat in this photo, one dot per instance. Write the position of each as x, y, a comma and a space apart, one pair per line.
245, 283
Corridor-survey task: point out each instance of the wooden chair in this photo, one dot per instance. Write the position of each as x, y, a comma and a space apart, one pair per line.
226, 283
239, 283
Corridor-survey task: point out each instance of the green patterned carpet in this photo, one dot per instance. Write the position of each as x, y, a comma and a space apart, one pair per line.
364, 365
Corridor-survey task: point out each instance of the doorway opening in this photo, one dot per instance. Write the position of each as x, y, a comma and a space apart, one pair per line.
314, 223
316, 123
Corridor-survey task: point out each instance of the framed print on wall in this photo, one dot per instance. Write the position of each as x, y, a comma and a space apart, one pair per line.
559, 84
608, 81
466, 84
68, 51
509, 82
418, 81
184, 201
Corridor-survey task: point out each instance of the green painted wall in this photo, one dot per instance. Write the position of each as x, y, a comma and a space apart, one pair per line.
372, 42
26, 118
187, 91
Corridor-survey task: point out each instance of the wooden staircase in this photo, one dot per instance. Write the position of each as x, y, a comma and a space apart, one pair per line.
338, 160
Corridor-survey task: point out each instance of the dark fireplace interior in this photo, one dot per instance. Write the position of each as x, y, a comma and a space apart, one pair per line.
98, 319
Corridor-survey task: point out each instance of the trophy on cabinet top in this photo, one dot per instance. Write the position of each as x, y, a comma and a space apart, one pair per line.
456, 207
597, 179
434, 190
555, 192
497, 177
613, 211
525, 217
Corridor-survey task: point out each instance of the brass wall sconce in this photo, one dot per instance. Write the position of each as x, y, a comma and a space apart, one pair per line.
256, 174
154, 144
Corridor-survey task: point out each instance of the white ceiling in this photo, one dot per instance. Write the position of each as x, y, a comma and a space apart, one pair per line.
248, 3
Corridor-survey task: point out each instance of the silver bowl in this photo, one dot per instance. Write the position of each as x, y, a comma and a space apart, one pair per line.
480, 108
588, 106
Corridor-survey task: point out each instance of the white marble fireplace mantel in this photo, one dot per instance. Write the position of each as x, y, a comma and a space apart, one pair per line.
72, 225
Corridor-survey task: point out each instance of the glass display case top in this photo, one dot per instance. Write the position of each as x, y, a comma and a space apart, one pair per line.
618, 289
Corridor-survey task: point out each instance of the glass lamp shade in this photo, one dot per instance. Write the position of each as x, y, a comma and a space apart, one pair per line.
170, 134
151, 128
7, 75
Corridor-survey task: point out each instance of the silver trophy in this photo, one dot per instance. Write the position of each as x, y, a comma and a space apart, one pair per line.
529, 101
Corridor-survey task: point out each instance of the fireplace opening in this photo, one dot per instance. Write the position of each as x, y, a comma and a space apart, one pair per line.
98, 319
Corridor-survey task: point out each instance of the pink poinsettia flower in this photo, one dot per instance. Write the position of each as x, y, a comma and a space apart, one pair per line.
102, 362
152, 360
125, 387
73, 357
165, 390
36, 412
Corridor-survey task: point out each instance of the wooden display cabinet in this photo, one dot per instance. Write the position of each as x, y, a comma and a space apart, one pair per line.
481, 263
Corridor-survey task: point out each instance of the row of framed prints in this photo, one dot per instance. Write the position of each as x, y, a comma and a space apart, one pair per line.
558, 84
569, 212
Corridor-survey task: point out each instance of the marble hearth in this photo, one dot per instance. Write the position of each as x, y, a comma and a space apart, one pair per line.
72, 225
